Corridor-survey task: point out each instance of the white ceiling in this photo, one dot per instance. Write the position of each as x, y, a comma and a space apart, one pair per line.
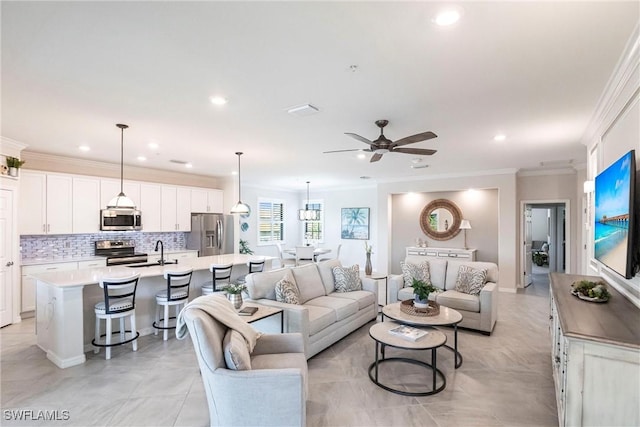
531, 70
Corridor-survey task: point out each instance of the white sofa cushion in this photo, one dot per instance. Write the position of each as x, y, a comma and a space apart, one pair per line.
407, 293
326, 273
309, 282
459, 301
364, 298
236, 351
343, 307
262, 285
320, 318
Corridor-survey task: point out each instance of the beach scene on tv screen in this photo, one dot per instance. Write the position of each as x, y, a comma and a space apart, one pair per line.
613, 188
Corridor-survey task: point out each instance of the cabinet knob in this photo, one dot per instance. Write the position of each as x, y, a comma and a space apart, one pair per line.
10, 263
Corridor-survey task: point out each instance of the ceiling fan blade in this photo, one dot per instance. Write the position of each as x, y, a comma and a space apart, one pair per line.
359, 138
419, 151
375, 157
414, 138
342, 151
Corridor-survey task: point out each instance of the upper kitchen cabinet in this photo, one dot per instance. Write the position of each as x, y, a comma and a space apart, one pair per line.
150, 204
45, 203
206, 201
176, 208
86, 205
110, 188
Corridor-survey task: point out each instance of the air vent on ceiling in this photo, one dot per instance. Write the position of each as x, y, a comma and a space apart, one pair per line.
303, 110
179, 162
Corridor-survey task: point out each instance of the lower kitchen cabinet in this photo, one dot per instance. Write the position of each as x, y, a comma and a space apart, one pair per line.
595, 357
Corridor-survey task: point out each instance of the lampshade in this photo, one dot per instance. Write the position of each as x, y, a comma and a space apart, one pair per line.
307, 214
121, 200
465, 224
239, 208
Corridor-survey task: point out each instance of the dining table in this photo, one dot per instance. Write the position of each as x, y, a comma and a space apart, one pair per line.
316, 252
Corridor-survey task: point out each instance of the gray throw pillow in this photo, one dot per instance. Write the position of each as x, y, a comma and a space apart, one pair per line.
287, 291
415, 271
470, 280
347, 279
236, 351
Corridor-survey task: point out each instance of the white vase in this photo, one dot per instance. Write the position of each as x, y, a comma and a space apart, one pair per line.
13, 171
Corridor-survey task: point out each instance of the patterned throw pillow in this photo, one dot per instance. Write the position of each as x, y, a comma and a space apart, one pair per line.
347, 279
415, 271
287, 291
470, 280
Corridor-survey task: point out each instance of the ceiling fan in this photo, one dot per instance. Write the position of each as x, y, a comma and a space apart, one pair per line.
383, 145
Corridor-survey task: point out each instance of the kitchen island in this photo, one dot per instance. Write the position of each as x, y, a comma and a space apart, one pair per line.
65, 301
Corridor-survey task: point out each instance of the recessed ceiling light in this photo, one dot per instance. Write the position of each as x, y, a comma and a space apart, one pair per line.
234, 172
218, 100
362, 156
188, 165
499, 137
365, 177
152, 145
142, 159
448, 16
84, 148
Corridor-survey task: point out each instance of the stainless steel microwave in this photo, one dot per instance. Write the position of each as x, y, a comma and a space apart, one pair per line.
120, 219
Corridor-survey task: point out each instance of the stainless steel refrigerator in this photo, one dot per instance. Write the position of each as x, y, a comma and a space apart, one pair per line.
211, 234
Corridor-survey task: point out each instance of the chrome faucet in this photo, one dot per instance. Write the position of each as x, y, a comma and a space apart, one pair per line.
159, 243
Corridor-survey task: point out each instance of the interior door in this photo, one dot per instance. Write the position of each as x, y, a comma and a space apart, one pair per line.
528, 257
6, 257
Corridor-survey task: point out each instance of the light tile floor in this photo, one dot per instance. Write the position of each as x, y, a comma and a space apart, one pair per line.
505, 380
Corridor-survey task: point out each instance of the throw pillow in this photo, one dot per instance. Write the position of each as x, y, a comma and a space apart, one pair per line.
236, 351
470, 280
287, 291
415, 271
347, 279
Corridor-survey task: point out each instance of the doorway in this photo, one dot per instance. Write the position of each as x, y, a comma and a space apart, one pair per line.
545, 237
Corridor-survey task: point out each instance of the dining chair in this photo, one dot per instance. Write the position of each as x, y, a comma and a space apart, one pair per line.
327, 258
304, 254
284, 261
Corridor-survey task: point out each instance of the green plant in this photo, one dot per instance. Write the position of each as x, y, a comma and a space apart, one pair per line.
14, 162
422, 289
236, 288
592, 289
244, 247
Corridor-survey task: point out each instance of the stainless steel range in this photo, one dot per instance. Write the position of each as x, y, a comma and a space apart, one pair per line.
119, 252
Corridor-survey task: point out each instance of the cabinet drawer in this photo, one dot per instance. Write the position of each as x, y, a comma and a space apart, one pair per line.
92, 264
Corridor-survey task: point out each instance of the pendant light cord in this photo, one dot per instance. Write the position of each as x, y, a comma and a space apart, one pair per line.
306, 205
122, 128
238, 153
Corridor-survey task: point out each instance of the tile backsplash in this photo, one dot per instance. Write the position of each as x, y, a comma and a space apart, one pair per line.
50, 247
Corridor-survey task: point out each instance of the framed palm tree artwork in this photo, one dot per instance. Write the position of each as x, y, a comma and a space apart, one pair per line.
355, 223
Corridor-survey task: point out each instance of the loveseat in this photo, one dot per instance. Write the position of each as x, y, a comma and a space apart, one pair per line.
323, 316
479, 312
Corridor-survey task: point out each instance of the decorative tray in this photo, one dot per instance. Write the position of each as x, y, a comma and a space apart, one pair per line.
583, 288
586, 298
433, 309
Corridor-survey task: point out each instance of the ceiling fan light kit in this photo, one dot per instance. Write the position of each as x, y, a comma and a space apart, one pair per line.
383, 145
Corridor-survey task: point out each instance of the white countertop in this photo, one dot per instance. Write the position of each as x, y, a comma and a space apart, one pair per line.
90, 276
42, 261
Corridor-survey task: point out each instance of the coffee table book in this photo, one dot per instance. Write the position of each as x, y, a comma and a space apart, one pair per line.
248, 311
408, 333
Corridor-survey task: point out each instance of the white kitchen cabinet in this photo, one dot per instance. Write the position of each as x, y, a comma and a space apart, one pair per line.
45, 203
110, 188
86, 205
92, 264
448, 253
150, 204
205, 200
595, 362
176, 208
29, 284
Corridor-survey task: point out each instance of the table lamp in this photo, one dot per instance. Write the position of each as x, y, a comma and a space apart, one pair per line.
465, 225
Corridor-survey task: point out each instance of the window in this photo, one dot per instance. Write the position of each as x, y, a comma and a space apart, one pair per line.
270, 221
313, 230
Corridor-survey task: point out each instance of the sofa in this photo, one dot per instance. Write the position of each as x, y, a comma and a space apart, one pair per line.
323, 316
479, 312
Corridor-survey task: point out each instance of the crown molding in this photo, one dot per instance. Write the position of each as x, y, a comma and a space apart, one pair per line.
11, 147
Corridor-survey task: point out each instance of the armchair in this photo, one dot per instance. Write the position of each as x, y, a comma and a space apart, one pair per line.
272, 393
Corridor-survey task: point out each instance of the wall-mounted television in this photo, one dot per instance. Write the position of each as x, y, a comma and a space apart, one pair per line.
614, 234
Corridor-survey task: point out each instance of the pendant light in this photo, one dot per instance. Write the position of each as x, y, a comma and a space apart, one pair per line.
307, 214
121, 200
239, 208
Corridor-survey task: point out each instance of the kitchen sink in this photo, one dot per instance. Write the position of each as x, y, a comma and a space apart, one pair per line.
151, 264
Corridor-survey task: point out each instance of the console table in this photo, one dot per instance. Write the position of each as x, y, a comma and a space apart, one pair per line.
595, 356
464, 254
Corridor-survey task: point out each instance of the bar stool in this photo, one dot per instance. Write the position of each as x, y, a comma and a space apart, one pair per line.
221, 275
255, 266
119, 303
176, 294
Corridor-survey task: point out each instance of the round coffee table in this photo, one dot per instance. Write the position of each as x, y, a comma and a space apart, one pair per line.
434, 339
446, 317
